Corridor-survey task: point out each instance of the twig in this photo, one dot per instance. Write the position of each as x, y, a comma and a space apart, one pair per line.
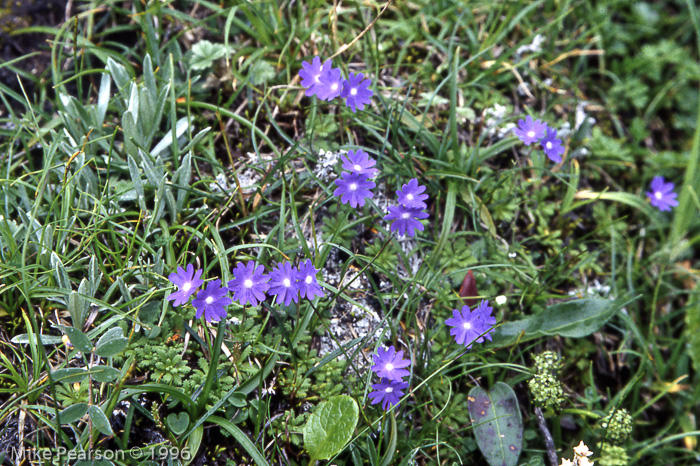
548, 440
343, 48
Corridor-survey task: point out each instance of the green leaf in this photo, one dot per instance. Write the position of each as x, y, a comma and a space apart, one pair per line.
136, 179
118, 72
61, 275
99, 420
78, 309
178, 423
24, 338
330, 427
498, 425
193, 442
205, 53
573, 319
111, 343
103, 98
78, 339
70, 375
242, 439
261, 72
104, 374
73, 413
692, 326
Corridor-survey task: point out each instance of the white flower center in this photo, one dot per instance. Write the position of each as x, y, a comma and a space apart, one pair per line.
353, 91
388, 389
248, 283
405, 215
353, 186
286, 282
209, 300
316, 78
548, 145
309, 279
186, 286
409, 197
467, 325
357, 168
390, 367
531, 134
334, 86
658, 195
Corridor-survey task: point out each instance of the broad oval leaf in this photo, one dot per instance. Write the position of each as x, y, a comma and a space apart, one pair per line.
573, 319
178, 423
73, 413
498, 425
104, 373
78, 339
111, 343
69, 375
330, 427
99, 420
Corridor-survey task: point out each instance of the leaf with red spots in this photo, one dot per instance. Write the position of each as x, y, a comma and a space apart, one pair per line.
498, 425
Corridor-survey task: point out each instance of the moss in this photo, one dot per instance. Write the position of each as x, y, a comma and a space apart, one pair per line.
14, 15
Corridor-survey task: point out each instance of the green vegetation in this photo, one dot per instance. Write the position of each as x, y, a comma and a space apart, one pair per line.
140, 136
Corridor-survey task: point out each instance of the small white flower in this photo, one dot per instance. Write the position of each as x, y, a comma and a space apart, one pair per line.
582, 450
501, 300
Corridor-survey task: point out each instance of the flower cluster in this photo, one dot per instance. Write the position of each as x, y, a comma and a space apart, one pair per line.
249, 286
390, 366
617, 425
354, 185
472, 326
529, 131
326, 83
546, 388
581, 454
407, 215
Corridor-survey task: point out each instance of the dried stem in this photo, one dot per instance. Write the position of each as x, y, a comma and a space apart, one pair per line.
548, 440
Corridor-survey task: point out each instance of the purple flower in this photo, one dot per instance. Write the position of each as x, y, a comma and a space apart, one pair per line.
249, 283
310, 74
483, 313
330, 84
662, 195
355, 91
552, 146
406, 219
359, 162
387, 392
410, 195
306, 281
283, 284
211, 302
353, 188
530, 131
390, 364
187, 283
470, 325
